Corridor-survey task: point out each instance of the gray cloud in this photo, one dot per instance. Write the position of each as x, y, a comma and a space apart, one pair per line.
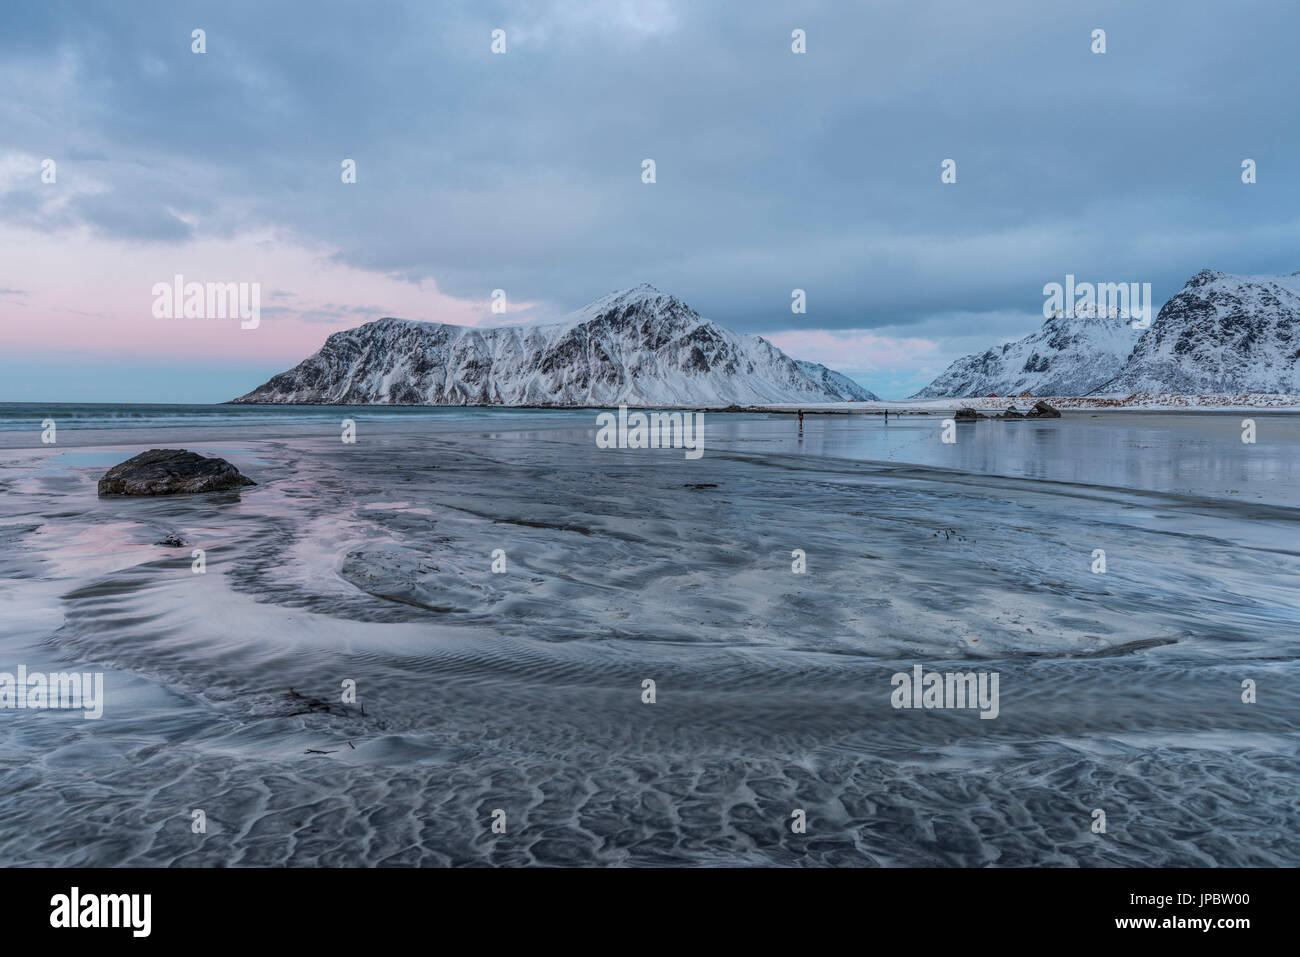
775, 171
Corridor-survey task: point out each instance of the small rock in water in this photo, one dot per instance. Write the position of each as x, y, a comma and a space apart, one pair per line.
173, 541
965, 414
1042, 410
171, 472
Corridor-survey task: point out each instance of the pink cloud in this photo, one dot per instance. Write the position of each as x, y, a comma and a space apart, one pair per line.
81, 294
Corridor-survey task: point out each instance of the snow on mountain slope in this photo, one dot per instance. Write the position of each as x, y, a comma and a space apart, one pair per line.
835, 382
1067, 356
1220, 334
637, 347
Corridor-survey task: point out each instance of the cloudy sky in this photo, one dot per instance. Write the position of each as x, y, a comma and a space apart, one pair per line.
522, 171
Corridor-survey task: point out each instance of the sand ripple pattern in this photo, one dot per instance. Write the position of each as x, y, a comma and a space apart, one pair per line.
522, 691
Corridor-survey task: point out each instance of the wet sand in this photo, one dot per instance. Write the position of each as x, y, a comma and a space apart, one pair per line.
522, 691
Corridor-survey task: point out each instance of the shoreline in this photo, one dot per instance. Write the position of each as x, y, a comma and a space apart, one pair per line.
1136, 402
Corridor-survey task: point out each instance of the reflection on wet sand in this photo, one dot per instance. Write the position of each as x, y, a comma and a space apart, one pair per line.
522, 690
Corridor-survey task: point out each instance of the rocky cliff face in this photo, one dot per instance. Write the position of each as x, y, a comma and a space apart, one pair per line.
1067, 356
1220, 334
637, 347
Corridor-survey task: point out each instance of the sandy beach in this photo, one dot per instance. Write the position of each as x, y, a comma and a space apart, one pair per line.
522, 690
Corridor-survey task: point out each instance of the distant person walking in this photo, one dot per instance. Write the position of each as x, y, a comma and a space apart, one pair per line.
801, 421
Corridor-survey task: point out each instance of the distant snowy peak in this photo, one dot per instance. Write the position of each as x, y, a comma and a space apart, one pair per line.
636, 346
833, 382
1067, 356
643, 296
1220, 334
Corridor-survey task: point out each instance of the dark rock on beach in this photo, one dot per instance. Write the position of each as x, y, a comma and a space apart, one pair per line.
965, 415
171, 472
1042, 410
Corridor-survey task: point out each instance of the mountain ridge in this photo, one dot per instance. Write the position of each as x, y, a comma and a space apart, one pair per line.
635, 347
1065, 356
1222, 333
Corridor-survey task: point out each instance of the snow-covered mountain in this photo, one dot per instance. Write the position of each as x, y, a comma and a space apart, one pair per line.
1067, 356
1220, 334
832, 382
637, 347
